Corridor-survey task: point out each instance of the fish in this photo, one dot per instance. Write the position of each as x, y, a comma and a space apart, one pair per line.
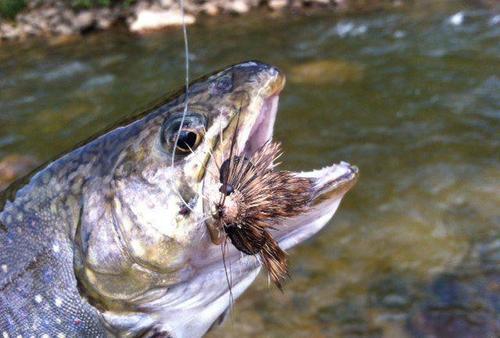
120, 236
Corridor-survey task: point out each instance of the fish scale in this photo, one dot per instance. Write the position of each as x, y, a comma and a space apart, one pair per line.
38, 287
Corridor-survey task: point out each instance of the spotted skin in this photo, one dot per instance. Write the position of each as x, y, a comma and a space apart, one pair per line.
38, 288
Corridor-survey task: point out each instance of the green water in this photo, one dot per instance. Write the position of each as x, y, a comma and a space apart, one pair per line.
415, 103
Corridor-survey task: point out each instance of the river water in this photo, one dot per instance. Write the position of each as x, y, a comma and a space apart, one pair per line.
411, 96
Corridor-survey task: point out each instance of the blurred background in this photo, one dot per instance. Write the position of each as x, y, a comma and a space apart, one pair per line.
409, 91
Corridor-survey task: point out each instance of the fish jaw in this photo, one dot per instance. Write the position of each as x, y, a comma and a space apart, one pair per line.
330, 185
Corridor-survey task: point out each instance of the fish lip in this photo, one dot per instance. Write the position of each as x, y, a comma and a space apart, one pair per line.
330, 184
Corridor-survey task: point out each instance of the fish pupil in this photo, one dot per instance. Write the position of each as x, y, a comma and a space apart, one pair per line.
187, 140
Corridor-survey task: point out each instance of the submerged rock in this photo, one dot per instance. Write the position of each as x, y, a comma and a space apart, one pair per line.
14, 166
464, 303
326, 72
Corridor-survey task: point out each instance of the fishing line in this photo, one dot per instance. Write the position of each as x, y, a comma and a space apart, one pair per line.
223, 248
186, 99
186, 63
184, 113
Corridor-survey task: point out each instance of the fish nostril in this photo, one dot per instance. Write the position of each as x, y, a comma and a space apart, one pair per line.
274, 71
184, 211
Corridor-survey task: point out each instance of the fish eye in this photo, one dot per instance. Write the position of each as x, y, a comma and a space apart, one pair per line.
185, 140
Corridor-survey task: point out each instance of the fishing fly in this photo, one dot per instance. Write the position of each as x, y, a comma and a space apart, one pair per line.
255, 198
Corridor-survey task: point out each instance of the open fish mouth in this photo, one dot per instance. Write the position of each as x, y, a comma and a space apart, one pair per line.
262, 130
329, 184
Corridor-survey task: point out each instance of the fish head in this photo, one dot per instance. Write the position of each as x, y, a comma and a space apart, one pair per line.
156, 260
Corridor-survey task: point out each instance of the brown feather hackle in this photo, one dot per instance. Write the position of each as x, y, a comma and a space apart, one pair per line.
257, 199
